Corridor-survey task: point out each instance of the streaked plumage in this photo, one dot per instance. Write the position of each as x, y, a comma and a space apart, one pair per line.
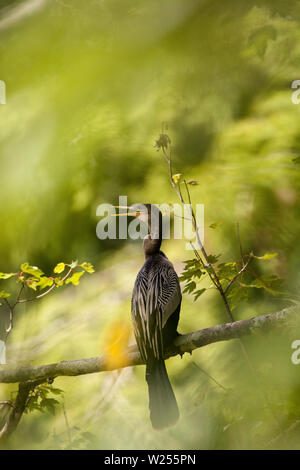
156, 302
156, 296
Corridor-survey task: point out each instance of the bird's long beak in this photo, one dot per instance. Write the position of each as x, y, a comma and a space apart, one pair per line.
129, 213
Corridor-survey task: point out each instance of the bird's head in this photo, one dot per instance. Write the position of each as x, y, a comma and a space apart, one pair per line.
150, 215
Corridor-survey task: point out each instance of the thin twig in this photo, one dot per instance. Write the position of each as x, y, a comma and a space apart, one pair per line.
11, 312
47, 291
283, 434
208, 375
9, 403
67, 423
239, 240
20, 301
245, 265
203, 264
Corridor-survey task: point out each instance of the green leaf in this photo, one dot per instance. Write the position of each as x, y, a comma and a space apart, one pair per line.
88, 267
3, 294
296, 160
216, 224
266, 256
44, 282
198, 293
193, 182
190, 273
32, 283
74, 264
191, 262
185, 276
75, 278
32, 405
197, 273
176, 178
227, 270
49, 404
162, 142
40, 283
56, 391
212, 259
59, 282
189, 287
43, 392
33, 270
270, 284
59, 268
7, 275
236, 295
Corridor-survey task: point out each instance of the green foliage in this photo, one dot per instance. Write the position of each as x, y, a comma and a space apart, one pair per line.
163, 143
33, 270
34, 278
227, 271
231, 277
74, 279
212, 259
236, 295
192, 269
40, 399
59, 268
266, 256
270, 284
7, 275
176, 178
88, 267
191, 274
3, 294
216, 224
260, 38
199, 292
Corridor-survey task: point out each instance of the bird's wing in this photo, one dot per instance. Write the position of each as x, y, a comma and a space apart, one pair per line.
168, 289
156, 295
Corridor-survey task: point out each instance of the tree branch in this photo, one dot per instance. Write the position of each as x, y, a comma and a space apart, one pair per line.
18, 407
131, 357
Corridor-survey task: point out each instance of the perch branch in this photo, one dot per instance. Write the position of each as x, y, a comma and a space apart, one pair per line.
131, 357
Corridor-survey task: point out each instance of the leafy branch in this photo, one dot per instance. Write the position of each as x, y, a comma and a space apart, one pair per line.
34, 278
31, 395
225, 277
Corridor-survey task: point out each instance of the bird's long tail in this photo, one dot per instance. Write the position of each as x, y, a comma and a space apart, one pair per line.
162, 402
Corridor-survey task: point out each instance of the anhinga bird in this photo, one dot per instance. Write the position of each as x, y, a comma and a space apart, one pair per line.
155, 307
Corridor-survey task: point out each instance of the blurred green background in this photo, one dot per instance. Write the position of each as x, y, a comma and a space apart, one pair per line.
88, 86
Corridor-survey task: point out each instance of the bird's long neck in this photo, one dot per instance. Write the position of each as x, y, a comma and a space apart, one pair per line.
152, 242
